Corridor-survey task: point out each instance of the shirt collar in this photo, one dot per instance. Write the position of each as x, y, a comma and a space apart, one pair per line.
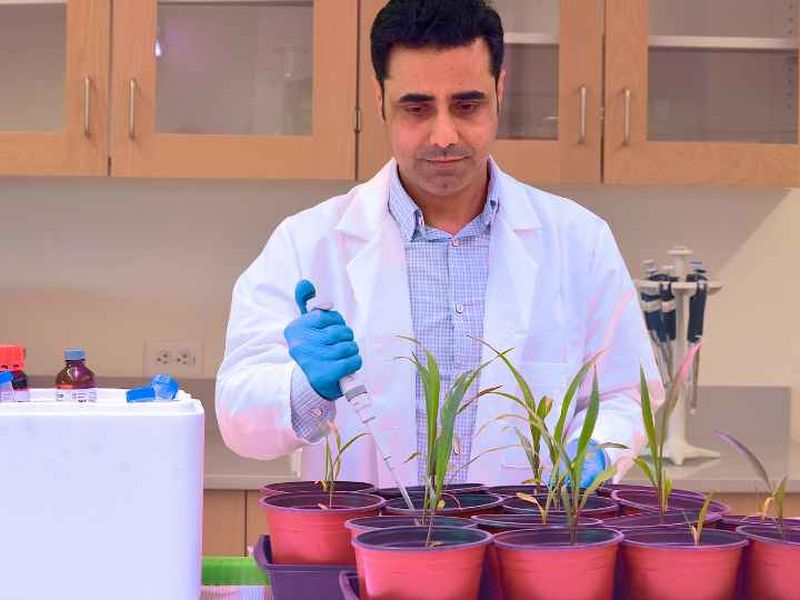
409, 216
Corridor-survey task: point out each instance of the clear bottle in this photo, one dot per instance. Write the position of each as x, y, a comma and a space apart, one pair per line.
12, 358
6, 389
75, 382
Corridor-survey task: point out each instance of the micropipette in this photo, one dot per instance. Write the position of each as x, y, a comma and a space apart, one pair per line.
357, 395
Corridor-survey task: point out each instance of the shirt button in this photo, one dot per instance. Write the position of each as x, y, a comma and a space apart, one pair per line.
459, 308
455, 243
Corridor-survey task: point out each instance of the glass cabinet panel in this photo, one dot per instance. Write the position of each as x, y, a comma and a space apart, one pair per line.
723, 70
530, 108
240, 68
32, 66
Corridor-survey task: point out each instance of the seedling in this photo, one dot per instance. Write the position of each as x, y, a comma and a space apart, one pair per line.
697, 529
657, 431
333, 464
440, 422
776, 491
561, 491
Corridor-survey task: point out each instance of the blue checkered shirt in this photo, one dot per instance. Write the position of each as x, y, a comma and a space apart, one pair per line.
447, 277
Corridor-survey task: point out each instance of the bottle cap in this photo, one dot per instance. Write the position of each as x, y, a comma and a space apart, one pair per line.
165, 386
6, 377
141, 394
74, 354
12, 358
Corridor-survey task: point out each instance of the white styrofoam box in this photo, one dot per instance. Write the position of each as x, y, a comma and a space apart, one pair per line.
101, 500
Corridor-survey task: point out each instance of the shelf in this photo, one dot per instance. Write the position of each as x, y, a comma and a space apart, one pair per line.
696, 42
530, 39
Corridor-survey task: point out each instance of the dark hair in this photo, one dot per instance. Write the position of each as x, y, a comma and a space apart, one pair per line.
435, 23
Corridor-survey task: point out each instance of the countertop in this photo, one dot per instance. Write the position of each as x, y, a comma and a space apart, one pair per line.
728, 474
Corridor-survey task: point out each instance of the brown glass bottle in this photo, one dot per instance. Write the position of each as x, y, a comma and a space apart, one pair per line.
75, 382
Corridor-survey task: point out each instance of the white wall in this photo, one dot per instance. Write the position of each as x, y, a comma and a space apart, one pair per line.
110, 264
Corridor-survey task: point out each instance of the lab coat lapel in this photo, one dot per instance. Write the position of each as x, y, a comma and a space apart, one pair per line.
510, 295
379, 281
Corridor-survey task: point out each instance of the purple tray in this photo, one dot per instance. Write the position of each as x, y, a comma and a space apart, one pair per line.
299, 582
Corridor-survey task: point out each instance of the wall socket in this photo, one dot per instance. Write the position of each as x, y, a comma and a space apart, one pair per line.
178, 358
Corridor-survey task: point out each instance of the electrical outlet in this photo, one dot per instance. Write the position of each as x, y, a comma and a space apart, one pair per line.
178, 358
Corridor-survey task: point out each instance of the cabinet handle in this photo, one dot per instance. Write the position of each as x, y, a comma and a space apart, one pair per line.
582, 138
132, 110
87, 107
626, 141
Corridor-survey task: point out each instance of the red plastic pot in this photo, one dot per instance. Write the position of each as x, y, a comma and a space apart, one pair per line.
635, 501
395, 563
459, 505
303, 533
507, 491
419, 490
666, 565
596, 507
770, 564
733, 522
608, 488
543, 565
499, 522
669, 520
362, 524
313, 487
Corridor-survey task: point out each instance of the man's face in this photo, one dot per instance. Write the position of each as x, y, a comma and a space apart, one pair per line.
441, 110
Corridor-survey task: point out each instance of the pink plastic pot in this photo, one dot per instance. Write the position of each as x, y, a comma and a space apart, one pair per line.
395, 564
666, 565
608, 488
303, 533
507, 491
459, 505
670, 520
733, 522
313, 487
419, 490
543, 565
770, 564
499, 522
634, 501
596, 507
362, 524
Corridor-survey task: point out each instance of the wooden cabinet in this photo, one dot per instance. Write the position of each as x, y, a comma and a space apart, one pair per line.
224, 522
618, 91
219, 88
684, 92
702, 92
54, 62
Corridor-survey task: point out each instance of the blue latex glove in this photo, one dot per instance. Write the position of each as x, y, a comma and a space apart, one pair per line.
596, 461
321, 344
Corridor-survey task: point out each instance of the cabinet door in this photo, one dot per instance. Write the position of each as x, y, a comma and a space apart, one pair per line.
223, 522
702, 92
54, 61
550, 120
222, 88
549, 128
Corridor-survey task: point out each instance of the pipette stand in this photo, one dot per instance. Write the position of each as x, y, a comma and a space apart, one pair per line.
676, 447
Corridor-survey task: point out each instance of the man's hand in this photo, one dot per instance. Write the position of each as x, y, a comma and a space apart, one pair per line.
595, 462
321, 344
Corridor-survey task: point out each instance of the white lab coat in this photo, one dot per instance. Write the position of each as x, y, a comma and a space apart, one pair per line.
558, 292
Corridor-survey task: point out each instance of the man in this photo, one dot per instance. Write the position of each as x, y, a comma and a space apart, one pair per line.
443, 246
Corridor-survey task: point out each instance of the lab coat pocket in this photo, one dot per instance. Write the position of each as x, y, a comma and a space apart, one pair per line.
545, 379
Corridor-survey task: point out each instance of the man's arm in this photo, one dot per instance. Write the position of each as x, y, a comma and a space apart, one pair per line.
265, 406
615, 326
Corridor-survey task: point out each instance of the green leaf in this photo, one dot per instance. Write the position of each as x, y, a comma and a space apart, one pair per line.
596, 483
573, 388
748, 454
589, 421
697, 531
647, 416
645, 468
612, 446
412, 457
